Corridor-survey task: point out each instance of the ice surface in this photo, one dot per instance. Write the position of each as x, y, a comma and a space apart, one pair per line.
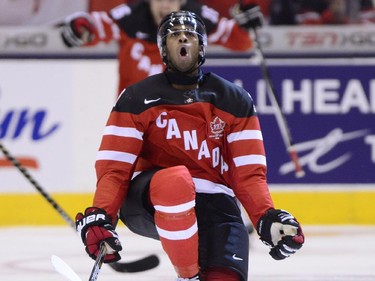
331, 253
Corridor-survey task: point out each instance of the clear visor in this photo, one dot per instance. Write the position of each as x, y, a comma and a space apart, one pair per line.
181, 22
188, 30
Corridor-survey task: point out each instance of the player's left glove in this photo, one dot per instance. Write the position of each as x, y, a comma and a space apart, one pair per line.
281, 232
247, 16
95, 227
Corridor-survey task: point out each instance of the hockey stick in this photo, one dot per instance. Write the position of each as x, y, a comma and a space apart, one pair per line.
34, 183
65, 270
280, 117
98, 263
143, 264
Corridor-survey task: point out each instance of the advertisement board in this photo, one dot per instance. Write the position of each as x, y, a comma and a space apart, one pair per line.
330, 111
52, 114
277, 41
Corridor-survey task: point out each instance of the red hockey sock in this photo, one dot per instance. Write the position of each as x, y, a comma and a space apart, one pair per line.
172, 194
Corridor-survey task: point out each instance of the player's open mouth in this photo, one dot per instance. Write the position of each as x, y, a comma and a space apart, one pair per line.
183, 52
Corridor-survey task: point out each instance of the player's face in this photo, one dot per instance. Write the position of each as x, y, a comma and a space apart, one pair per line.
161, 8
182, 48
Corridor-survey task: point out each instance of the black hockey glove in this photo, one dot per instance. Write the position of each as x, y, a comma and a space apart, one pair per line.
279, 230
78, 29
95, 227
247, 16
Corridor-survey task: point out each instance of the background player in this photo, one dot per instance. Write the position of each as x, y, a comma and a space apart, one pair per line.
134, 26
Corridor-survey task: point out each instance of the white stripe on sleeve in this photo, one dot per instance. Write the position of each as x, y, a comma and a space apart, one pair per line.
250, 160
116, 156
245, 135
123, 132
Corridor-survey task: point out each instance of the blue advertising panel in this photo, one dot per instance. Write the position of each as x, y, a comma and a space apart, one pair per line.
330, 111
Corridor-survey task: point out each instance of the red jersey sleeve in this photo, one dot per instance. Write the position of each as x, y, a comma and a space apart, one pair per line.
230, 35
106, 30
121, 143
223, 31
248, 171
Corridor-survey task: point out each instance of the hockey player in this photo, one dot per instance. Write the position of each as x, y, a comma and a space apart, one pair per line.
202, 135
134, 26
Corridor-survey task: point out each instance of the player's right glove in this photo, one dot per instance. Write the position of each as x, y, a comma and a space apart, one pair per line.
78, 29
279, 230
95, 227
247, 16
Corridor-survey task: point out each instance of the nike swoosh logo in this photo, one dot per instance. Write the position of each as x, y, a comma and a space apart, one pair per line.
236, 258
141, 35
146, 101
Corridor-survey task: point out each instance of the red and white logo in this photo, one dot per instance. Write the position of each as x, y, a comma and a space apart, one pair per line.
217, 128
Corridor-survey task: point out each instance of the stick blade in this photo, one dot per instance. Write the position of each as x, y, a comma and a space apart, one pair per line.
64, 269
144, 264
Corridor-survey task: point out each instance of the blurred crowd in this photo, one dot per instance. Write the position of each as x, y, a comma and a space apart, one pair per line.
276, 12
307, 12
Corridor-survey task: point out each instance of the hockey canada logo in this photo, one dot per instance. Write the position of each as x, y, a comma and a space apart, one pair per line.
217, 128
